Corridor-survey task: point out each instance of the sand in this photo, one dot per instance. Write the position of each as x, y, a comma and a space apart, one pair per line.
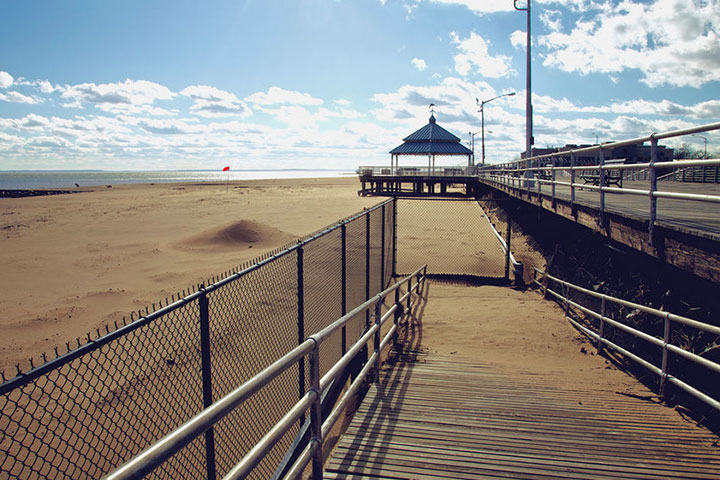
75, 263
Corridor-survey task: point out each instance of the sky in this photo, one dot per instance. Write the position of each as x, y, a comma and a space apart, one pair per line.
266, 84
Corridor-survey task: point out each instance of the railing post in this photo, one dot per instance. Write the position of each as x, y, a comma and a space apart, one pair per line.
398, 314
204, 306
394, 237
382, 249
376, 341
653, 188
572, 183
601, 329
554, 178
301, 322
409, 290
343, 283
316, 414
601, 162
666, 340
538, 177
507, 249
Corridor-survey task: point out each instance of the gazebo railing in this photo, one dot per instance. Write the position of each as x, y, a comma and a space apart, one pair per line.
417, 171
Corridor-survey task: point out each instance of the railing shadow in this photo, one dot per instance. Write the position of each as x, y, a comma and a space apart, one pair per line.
366, 450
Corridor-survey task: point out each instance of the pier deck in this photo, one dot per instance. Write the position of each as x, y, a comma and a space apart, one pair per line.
443, 416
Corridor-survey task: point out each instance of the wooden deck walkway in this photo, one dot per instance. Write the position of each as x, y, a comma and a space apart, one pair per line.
434, 416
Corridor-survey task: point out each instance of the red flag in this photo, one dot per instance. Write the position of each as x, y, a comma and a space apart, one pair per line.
226, 169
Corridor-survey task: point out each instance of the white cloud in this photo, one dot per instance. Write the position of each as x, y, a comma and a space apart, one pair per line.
6, 80
213, 102
342, 101
419, 63
17, 97
518, 39
129, 92
475, 56
480, 6
670, 42
454, 100
277, 95
46, 141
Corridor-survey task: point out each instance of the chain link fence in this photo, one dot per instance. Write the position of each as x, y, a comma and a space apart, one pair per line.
452, 236
97, 405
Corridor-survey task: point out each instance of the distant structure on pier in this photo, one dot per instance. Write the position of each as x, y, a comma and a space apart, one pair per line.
430, 141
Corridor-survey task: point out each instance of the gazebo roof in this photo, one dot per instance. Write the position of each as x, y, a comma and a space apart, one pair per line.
431, 139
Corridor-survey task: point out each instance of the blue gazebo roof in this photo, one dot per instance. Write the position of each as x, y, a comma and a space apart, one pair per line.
431, 139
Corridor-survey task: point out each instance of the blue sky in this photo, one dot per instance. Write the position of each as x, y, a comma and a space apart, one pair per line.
338, 83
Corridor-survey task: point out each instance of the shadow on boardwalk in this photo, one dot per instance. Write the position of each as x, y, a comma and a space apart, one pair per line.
446, 411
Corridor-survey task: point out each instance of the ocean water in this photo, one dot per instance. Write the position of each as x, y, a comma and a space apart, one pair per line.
26, 180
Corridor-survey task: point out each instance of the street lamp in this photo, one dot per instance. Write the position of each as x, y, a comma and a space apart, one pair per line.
472, 142
704, 138
482, 119
528, 89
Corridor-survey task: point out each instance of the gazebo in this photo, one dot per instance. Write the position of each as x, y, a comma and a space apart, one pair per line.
431, 140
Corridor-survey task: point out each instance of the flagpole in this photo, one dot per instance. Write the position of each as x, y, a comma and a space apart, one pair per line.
227, 181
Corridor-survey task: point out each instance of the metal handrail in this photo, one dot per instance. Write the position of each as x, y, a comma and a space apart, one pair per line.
653, 137
663, 343
520, 174
162, 450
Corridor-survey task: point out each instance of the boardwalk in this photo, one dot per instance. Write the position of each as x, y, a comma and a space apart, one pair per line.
435, 415
684, 214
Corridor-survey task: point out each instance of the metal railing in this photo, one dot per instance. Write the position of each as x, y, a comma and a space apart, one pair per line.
667, 348
173, 442
417, 171
517, 267
531, 174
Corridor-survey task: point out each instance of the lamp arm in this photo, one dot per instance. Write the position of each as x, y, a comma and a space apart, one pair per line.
515, 4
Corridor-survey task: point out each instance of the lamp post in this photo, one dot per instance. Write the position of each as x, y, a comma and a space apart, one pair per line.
472, 142
482, 119
705, 139
528, 89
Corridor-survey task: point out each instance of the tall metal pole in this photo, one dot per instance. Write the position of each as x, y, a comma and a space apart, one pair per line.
482, 129
528, 88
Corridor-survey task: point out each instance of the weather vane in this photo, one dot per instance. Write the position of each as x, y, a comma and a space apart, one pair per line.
432, 108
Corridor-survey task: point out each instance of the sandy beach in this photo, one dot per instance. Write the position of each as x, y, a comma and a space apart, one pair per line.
74, 263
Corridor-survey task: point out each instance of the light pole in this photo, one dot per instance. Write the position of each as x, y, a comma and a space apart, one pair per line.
704, 138
528, 89
472, 142
482, 119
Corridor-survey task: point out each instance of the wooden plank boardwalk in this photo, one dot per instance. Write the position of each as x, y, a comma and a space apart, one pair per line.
434, 416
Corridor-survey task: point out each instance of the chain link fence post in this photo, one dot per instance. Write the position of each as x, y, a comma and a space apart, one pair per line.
204, 307
367, 266
382, 249
301, 324
343, 283
394, 238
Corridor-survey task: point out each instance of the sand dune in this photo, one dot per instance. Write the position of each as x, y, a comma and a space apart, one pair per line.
245, 233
